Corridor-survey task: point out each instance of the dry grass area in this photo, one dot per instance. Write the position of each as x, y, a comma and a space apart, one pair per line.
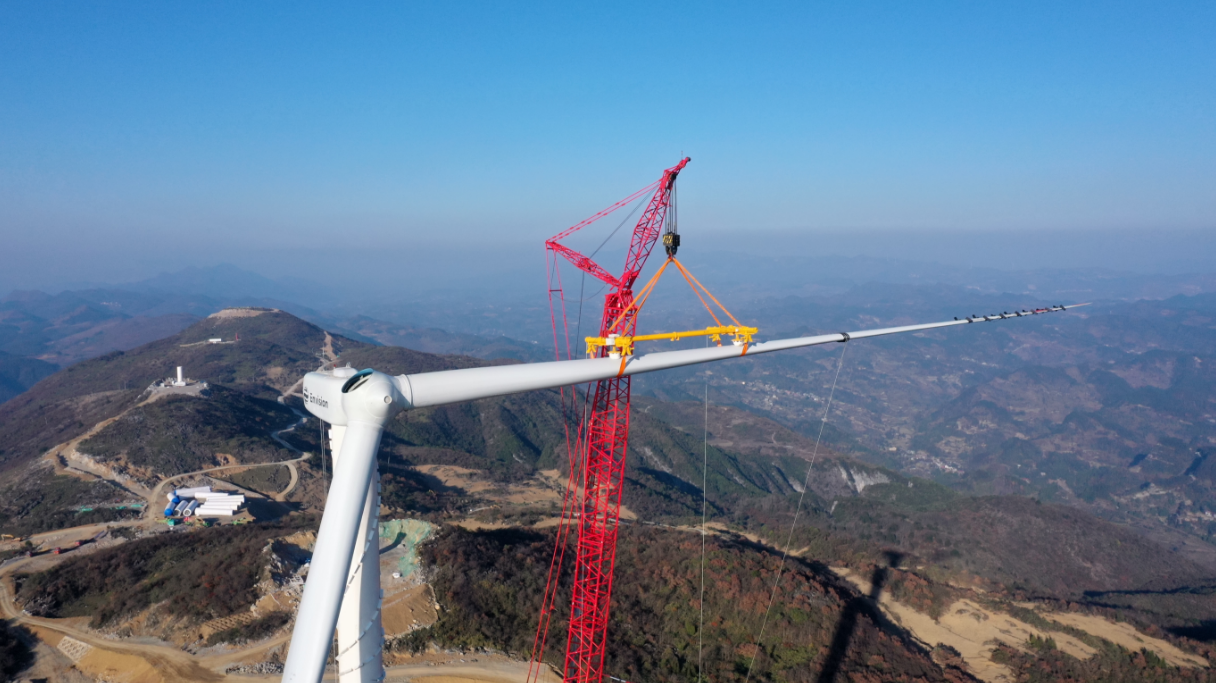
447, 668
970, 629
539, 490
548, 488
974, 631
1127, 636
554, 479
115, 667
478, 525
463, 478
411, 609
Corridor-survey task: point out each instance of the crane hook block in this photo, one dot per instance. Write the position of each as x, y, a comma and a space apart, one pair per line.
671, 242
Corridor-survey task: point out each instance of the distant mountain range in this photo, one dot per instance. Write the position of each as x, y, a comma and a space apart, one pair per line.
41, 332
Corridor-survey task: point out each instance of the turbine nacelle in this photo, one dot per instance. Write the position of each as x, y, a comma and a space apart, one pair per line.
345, 395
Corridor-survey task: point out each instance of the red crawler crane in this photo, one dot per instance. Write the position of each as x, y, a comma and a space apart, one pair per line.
597, 489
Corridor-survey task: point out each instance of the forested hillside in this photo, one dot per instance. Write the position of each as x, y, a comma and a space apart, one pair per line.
654, 625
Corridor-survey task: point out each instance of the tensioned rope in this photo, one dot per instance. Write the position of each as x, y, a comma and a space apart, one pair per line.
806, 484
695, 284
704, 529
697, 288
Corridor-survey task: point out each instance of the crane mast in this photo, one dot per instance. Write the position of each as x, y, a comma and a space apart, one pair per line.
598, 506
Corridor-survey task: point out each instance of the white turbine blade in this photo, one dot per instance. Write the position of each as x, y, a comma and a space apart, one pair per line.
360, 630
456, 386
331, 558
366, 400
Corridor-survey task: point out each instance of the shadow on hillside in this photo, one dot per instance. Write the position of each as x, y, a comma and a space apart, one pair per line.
1204, 632
848, 619
16, 650
395, 544
265, 510
1193, 590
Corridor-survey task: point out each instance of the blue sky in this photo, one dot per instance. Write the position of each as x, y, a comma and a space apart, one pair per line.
209, 130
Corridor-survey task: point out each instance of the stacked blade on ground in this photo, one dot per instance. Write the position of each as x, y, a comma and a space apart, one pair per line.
218, 504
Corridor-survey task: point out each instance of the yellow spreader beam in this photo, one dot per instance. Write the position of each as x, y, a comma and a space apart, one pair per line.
623, 346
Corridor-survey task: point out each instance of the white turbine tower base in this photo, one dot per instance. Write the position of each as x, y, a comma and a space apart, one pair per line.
360, 633
343, 587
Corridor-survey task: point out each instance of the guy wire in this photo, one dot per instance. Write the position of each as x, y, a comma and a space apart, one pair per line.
806, 484
704, 526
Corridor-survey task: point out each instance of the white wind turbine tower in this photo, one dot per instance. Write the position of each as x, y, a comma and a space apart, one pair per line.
343, 587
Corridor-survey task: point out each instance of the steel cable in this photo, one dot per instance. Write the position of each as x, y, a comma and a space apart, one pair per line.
704, 528
806, 484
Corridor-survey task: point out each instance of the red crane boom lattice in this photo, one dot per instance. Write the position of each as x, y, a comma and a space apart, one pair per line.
597, 492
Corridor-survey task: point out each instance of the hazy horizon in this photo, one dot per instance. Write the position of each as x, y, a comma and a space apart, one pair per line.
431, 141
519, 267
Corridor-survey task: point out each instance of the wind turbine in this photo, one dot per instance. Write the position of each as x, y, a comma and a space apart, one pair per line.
343, 586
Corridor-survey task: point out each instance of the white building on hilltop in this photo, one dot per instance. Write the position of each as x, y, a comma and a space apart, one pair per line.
180, 385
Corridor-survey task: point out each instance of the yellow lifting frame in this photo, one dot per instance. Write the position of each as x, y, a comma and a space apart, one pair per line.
621, 345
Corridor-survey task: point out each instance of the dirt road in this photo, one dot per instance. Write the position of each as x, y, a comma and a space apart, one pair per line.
155, 502
450, 669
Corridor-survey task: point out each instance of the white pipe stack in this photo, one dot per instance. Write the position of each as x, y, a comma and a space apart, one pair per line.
219, 495
218, 504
